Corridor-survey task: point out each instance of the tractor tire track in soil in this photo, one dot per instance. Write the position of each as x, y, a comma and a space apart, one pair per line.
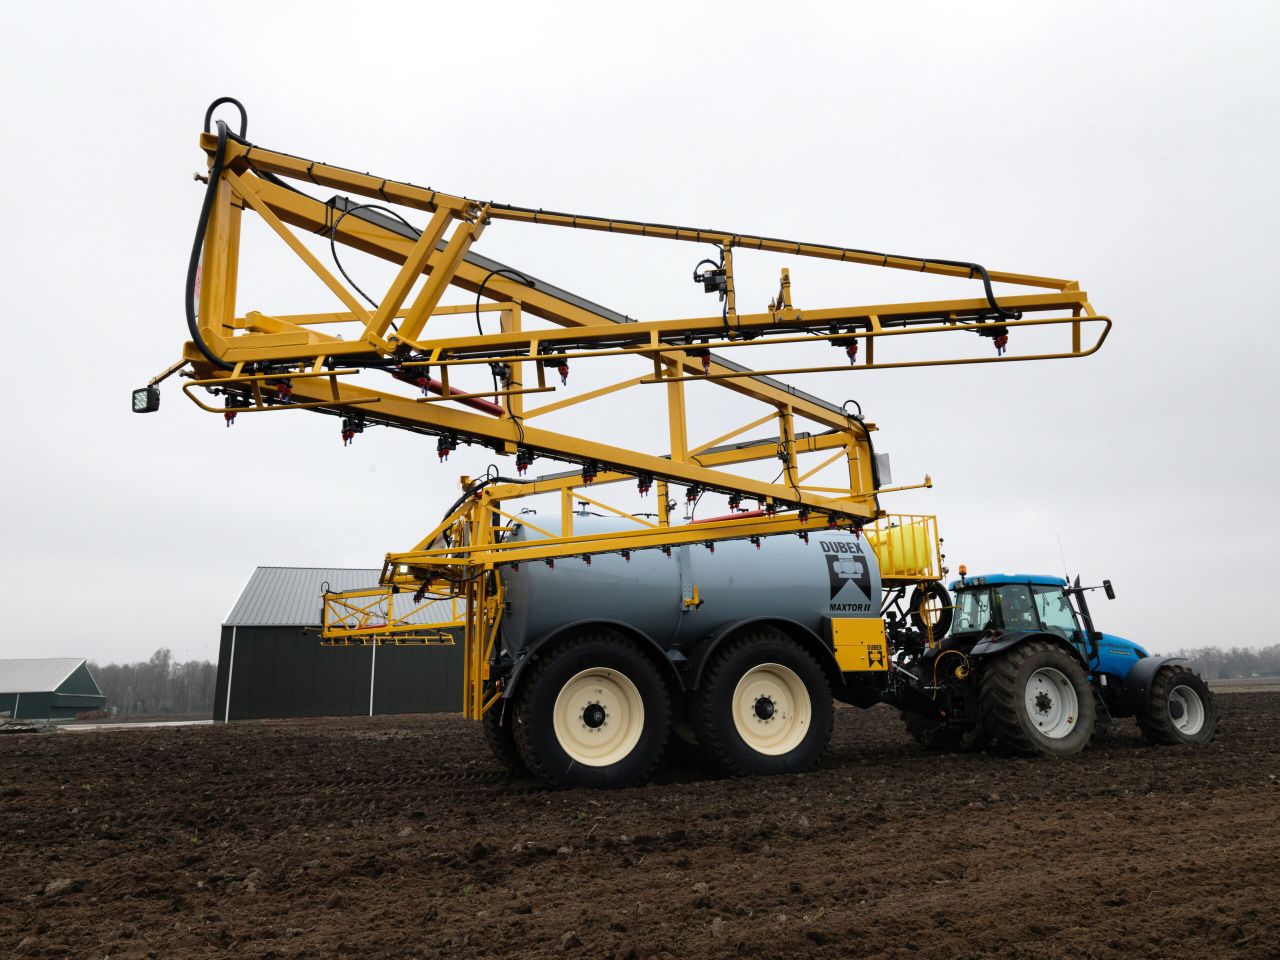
399, 837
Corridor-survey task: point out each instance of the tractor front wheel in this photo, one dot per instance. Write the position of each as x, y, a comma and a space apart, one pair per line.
1181, 710
1036, 699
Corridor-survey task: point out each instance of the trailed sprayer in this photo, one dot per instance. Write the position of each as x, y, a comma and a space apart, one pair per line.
598, 624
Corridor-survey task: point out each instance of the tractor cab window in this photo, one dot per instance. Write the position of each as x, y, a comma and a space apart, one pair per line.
1055, 611
1013, 606
973, 611
1017, 610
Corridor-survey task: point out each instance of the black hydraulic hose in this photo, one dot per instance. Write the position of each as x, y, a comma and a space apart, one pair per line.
747, 241
507, 272
1002, 312
866, 434
973, 268
473, 489
477, 486
197, 245
333, 245
875, 465
519, 277
708, 262
244, 115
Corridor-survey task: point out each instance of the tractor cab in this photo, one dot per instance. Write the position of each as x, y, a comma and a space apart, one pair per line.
1014, 602
1004, 604
1022, 661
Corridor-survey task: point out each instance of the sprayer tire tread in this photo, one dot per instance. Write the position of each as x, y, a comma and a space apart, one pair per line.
501, 740
535, 737
718, 737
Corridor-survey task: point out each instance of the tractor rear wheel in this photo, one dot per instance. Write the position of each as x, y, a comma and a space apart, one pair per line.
1036, 699
594, 712
501, 738
764, 706
945, 738
1181, 710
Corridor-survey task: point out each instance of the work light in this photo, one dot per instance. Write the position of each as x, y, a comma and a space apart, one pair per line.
146, 400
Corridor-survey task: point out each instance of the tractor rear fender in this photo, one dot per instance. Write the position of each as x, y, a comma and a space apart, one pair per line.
704, 649
1136, 692
1006, 641
579, 627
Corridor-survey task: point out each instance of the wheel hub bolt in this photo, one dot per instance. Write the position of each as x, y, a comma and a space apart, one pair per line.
764, 709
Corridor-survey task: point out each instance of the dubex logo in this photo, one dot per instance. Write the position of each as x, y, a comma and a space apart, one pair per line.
850, 576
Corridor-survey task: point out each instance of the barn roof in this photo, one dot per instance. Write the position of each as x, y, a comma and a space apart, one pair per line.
36, 676
290, 596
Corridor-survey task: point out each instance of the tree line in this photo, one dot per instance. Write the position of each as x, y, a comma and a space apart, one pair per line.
1219, 663
159, 685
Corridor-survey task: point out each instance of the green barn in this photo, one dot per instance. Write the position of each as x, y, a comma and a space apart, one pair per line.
271, 664
56, 688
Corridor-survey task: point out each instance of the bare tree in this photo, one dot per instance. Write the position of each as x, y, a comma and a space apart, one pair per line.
1220, 663
158, 685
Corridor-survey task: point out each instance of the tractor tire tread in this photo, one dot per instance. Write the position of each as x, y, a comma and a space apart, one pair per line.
998, 696
1154, 720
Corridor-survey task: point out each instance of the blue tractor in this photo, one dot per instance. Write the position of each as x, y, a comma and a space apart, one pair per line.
1021, 662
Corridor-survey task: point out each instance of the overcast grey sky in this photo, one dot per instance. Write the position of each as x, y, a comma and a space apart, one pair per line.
1130, 145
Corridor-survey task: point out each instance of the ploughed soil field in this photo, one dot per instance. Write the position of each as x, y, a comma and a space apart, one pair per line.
399, 837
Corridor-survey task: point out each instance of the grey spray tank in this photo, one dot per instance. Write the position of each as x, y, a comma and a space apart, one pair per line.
835, 575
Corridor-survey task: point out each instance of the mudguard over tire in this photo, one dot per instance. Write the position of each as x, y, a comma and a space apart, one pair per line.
1182, 709
593, 712
1036, 699
501, 739
764, 706
941, 738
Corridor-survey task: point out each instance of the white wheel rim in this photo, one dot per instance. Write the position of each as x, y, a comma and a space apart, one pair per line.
598, 717
771, 709
1052, 704
1186, 710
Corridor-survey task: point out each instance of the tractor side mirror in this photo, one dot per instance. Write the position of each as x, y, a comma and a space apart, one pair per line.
1108, 589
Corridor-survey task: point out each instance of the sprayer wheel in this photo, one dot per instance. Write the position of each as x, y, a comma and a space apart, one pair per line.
593, 712
764, 706
500, 737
